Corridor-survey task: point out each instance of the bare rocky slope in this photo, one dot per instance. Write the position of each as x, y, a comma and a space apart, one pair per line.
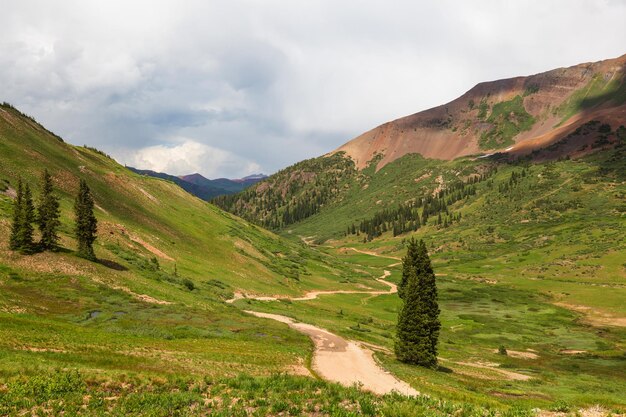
517, 114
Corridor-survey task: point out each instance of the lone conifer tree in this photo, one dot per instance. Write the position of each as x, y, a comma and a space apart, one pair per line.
409, 261
428, 300
86, 222
418, 321
14, 240
48, 214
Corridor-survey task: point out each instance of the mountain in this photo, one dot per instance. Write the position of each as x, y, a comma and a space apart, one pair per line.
202, 187
204, 192
528, 250
520, 114
564, 113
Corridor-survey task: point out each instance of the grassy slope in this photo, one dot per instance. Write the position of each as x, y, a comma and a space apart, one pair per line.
125, 315
538, 267
60, 311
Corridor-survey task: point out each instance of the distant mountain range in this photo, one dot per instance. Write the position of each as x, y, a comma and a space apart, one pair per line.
202, 187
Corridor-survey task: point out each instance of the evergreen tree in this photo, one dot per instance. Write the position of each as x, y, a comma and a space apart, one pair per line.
86, 222
14, 242
428, 300
48, 214
409, 261
412, 343
418, 321
26, 217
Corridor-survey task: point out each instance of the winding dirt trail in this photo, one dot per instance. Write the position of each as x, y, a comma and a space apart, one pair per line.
336, 359
344, 361
365, 252
312, 295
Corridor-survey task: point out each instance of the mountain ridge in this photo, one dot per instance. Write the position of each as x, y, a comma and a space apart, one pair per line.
525, 112
203, 187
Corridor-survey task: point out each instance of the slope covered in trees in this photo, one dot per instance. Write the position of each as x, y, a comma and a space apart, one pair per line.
294, 193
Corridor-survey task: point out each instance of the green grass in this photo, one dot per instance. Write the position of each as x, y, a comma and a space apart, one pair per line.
507, 119
518, 271
153, 306
599, 90
72, 393
539, 265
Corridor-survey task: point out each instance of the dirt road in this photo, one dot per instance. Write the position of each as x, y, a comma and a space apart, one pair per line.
312, 295
337, 359
346, 362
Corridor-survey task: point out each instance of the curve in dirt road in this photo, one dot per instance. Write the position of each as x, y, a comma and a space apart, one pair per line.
365, 252
312, 295
337, 359
346, 362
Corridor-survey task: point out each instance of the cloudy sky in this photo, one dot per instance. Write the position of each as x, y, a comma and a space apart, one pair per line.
234, 87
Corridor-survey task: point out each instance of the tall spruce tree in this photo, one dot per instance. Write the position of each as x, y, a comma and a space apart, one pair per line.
428, 300
412, 342
26, 218
418, 320
409, 261
86, 222
48, 214
14, 240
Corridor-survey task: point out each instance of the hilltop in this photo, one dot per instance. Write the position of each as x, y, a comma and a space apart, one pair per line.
520, 114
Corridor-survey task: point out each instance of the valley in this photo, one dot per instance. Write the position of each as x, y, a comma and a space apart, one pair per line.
277, 299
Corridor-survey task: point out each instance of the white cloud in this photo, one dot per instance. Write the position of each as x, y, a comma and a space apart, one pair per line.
275, 81
190, 157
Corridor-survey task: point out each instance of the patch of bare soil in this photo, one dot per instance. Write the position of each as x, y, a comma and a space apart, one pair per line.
150, 248
38, 349
572, 351
516, 376
519, 354
9, 192
141, 297
148, 195
365, 252
299, 369
440, 185
594, 316
312, 295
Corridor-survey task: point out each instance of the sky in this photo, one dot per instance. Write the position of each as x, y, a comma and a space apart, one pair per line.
234, 87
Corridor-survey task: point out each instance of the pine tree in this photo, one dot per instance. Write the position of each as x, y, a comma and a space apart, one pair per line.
26, 218
86, 222
48, 214
14, 242
409, 261
412, 343
428, 300
418, 321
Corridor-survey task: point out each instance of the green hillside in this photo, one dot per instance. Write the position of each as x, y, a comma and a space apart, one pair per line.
153, 306
530, 256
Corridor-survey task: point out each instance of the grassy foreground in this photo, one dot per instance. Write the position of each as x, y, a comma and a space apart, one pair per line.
72, 394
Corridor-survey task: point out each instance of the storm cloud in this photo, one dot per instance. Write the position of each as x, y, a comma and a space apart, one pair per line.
229, 88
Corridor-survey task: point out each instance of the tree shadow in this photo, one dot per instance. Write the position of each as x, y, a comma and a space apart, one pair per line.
60, 249
112, 265
444, 370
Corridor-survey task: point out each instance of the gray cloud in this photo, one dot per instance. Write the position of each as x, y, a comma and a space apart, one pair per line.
256, 85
